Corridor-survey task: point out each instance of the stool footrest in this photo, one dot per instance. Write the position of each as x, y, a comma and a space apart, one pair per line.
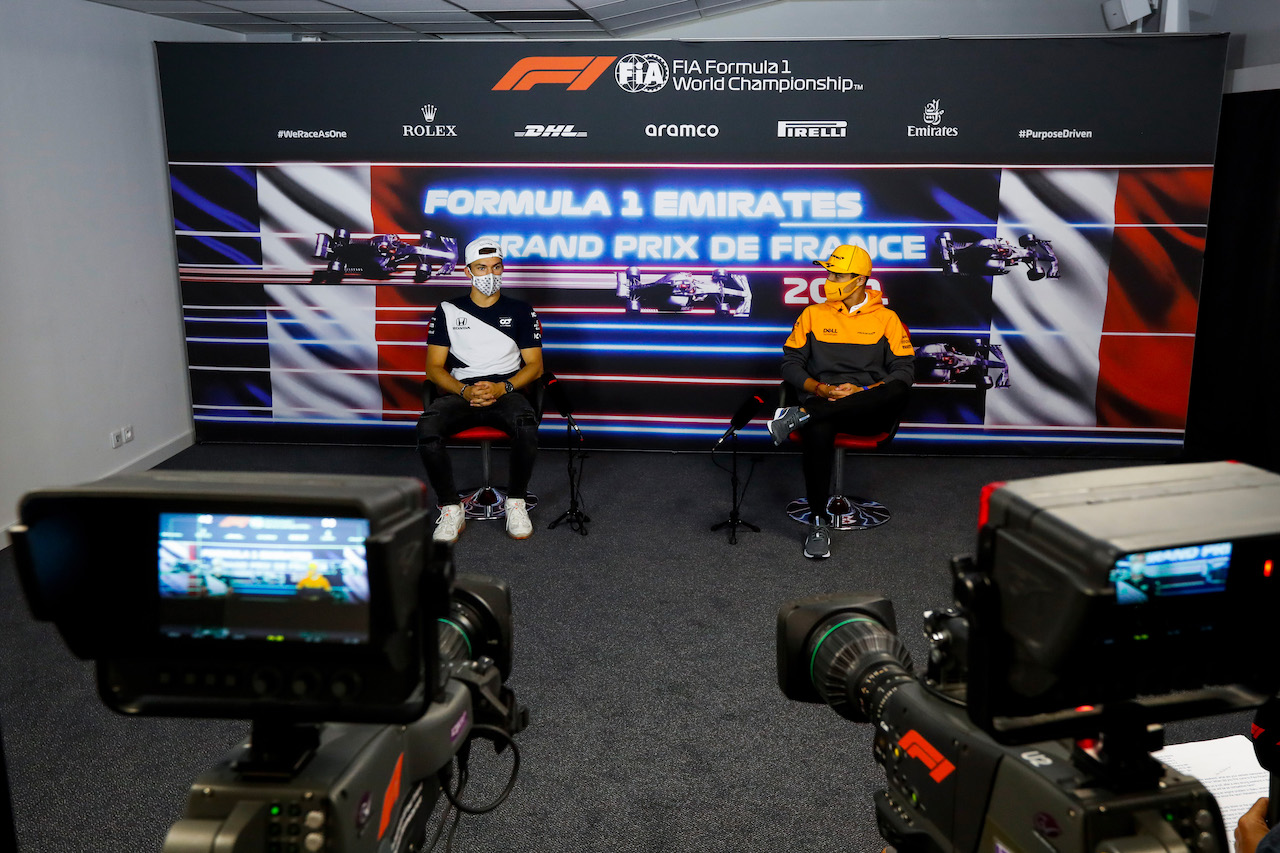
489, 502
846, 512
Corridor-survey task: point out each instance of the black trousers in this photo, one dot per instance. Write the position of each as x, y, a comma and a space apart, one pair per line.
864, 413
511, 413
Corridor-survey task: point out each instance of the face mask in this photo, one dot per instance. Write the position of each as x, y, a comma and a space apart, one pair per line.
837, 291
487, 284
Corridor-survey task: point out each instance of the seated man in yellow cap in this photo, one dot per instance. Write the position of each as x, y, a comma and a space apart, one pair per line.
852, 363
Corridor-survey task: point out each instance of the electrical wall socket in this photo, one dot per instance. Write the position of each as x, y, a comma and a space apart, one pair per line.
117, 438
127, 433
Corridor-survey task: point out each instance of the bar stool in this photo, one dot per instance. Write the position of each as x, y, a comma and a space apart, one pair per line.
487, 501
847, 512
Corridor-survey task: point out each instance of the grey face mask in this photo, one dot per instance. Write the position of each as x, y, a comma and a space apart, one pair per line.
487, 284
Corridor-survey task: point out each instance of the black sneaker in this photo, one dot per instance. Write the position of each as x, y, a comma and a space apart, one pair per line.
817, 544
785, 422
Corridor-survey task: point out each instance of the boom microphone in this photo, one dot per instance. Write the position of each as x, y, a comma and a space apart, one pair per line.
559, 399
748, 410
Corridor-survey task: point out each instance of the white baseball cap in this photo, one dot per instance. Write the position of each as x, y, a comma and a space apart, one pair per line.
483, 247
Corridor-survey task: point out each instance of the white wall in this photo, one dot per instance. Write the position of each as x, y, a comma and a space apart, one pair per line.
90, 334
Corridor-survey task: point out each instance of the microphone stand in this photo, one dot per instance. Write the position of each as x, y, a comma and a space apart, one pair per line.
735, 520
574, 515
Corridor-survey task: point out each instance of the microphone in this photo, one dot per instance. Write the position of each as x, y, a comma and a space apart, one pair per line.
749, 409
551, 384
1265, 734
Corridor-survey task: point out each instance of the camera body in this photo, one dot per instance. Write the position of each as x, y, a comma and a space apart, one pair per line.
258, 596
315, 606
1099, 606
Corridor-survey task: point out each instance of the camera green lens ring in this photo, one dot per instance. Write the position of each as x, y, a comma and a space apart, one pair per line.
813, 658
457, 628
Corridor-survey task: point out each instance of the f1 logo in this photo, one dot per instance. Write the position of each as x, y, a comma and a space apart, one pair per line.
917, 747
579, 72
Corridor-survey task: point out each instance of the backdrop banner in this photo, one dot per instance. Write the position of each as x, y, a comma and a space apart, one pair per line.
1035, 209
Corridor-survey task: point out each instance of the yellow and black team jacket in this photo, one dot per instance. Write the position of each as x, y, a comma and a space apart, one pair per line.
835, 345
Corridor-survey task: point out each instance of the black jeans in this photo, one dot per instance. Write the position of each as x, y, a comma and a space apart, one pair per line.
511, 413
864, 413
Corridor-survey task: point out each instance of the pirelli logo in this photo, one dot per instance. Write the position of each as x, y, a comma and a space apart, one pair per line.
576, 73
821, 129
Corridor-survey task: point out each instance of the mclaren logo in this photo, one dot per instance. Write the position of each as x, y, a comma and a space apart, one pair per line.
550, 130
575, 73
827, 129
641, 72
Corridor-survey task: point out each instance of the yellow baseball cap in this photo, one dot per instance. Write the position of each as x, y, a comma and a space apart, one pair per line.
846, 259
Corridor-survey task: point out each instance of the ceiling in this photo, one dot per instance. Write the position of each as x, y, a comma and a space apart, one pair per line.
410, 20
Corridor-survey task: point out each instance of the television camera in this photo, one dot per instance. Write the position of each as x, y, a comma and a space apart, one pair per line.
314, 606
1099, 606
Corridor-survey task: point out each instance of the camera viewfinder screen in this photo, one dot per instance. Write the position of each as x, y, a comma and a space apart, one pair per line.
1185, 570
282, 578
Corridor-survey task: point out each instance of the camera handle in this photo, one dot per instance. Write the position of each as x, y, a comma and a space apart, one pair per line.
278, 750
1119, 757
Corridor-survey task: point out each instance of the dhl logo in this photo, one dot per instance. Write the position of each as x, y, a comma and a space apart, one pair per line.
579, 72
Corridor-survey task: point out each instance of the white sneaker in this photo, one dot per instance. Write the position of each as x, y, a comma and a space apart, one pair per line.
518, 524
451, 522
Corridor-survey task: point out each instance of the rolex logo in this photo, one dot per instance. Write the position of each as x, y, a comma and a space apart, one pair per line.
429, 112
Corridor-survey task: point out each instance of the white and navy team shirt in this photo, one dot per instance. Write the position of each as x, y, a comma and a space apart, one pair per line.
484, 343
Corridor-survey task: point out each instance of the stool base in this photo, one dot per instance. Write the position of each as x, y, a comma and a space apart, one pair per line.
847, 513
489, 502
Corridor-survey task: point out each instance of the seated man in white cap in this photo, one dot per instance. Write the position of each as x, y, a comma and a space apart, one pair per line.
852, 364
482, 349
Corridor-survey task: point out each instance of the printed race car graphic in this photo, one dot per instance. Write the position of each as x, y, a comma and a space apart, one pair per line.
996, 256
943, 364
729, 293
379, 257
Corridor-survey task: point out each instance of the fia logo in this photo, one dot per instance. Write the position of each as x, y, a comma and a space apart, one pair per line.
933, 112
429, 112
637, 72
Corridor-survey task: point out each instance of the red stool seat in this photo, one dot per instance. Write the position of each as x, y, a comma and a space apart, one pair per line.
480, 434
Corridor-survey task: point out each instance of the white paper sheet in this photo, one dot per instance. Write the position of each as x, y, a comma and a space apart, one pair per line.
1228, 768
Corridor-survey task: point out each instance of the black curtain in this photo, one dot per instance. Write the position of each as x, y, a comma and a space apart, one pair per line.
1234, 410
